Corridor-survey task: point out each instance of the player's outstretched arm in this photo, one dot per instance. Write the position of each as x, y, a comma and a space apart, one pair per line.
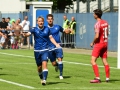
53, 41
26, 34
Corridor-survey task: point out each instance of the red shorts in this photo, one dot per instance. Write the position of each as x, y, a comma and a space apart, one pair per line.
100, 50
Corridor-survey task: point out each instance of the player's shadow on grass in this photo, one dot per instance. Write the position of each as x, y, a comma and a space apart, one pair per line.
113, 80
49, 83
65, 77
3, 74
1, 68
8, 74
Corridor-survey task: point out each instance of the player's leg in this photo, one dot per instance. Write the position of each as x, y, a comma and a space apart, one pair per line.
59, 55
40, 71
105, 62
107, 69
95, 55
52, 57
39, 64
44, 58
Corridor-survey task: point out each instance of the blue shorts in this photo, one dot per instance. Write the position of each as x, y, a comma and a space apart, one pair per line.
56, 53
40, 57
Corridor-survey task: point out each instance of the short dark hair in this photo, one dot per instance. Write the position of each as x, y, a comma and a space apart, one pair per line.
49, 15
9, 18
98, 12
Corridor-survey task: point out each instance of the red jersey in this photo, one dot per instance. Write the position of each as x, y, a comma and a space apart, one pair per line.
101, 27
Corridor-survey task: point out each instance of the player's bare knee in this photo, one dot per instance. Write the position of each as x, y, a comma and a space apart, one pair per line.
93, 62
59, 59
105, 63
54, 63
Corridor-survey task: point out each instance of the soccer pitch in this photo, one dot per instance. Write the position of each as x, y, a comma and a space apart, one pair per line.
18, 71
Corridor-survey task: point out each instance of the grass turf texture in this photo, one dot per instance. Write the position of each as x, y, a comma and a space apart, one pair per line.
19, 66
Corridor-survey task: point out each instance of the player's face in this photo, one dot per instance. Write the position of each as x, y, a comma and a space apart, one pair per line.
40, 22
50, 20
95, 16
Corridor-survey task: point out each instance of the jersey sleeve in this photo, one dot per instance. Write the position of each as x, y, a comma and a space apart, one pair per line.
32, 30
61, 29
97, 27
49, 32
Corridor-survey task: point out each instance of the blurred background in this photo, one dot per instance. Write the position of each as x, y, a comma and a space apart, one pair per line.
81, 10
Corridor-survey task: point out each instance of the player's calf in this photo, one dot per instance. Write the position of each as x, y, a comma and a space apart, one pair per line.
55, 64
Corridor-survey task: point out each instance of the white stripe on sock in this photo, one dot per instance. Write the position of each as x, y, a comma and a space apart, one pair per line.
60, 62
45, 70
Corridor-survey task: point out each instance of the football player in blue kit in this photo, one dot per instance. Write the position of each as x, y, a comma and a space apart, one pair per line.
41, 36
56, 52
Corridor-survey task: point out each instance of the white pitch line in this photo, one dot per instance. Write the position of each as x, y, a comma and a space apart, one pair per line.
85, 64
14, 83
63, 61
15, 55
17, 63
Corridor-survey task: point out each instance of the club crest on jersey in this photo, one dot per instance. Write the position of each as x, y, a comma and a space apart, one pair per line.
56, 28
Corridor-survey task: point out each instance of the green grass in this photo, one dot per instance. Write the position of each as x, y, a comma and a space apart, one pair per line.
23, 70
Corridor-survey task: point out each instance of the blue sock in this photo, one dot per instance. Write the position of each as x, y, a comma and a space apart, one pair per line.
40, 75
60, 66
45, 74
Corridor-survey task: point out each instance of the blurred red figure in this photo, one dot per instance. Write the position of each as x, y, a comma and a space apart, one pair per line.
100, 44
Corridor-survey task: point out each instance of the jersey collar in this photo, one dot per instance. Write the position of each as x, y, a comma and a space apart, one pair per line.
40, 28
51, 27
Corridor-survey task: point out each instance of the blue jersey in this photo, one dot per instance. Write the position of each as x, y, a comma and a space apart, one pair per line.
55, 32
41, 37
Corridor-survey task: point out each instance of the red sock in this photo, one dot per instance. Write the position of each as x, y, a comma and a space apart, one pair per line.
107, 71
96, 70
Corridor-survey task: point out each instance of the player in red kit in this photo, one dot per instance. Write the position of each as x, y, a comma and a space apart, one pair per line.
100, 45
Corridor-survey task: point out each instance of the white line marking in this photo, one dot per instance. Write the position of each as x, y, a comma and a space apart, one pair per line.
14, 83
82, 88
17, 63
85, 64
63, 61
15, 55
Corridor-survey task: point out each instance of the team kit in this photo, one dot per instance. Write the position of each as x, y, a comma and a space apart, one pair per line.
48, 46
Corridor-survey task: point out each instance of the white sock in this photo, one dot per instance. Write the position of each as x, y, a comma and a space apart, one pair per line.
107, 78
97, 77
